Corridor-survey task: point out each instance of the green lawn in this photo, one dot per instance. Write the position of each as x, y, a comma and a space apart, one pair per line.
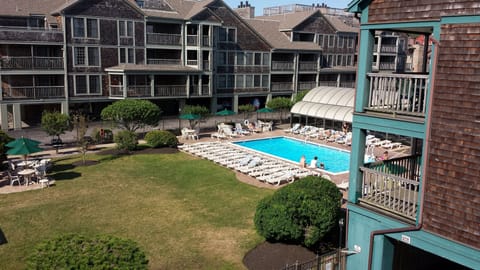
184, 212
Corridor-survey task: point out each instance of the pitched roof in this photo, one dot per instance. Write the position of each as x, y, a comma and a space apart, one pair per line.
340, 24
177, 9
288, 21
269, 30
30, 7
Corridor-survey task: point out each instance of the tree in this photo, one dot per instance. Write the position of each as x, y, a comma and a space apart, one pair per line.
81, 125
303, 212
199, 110
55, 123
4, 139
132, 114
246, 109
300, 95
280, 104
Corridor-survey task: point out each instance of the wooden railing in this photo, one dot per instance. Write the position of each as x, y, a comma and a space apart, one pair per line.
332, 260
164, 39
170, 90
398, 93
164, 61
282, 66
139, 91
306, 85
307, 66
281, 86
116, 90
29, 62
393, 185
34, 92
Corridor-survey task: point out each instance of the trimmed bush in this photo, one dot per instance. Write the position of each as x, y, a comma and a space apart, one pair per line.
4, 139
74, 251
302, 213
126, 140
161, 138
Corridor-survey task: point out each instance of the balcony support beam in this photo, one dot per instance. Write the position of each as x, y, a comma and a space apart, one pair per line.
4, 116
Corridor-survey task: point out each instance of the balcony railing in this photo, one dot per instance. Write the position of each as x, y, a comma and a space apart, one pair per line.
29, 62
282, 66
204, 91
170, 90
307, 66
192, 62
281, 86
139, 91
386, 48
164, 39
398, 93
116, 91
34, 92
393, 185
206, 65
192, 40
306, 85
206, 41
387, 66
164, 61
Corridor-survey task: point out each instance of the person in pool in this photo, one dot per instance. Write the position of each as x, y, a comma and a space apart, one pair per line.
313, 163
302, 161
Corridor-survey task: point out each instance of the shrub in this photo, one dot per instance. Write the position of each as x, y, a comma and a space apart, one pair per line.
126, 140
102, 135
303, 212
4, 139
74, 251
161, 138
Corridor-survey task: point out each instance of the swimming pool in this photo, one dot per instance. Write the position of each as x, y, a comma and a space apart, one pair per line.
335, 160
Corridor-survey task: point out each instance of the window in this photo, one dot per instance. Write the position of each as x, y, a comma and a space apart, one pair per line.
256, 81
87, 84
239, 81
240, 59
265, 83
227, 34
226, 81
222, 58
125, 28
258, 59
340, 42
320, 40
350, 42
331, 41
339, 60
86, 56
140, 3
249, 60
349, 60
266, 59
85, 28
329, 60
126, 55
248, 81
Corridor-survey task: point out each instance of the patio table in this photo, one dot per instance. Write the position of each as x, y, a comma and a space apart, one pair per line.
27, 175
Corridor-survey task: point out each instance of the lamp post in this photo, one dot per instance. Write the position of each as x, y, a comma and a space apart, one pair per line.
340, 224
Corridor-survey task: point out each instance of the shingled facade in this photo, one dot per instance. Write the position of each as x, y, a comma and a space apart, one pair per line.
81, 55
419, 211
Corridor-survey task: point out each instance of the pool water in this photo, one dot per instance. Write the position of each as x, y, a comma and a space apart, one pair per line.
335, 160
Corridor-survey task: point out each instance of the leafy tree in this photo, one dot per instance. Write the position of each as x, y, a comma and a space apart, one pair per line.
303, 212
4, 139
73, 251
132, 114
55, 123
202, 111
80, 123
300, 96
161, 138
246, 109
281, 104
126, 140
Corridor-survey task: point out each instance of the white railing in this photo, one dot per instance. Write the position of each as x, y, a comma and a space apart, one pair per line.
192, 40
116, 90
34, 92
170, 90
281, 86
307, 66
139, 91
306, 85
164, 39
164, 62
206, 41
282, 65
29, 62
398, 93
192, 62
387, 66
390, 193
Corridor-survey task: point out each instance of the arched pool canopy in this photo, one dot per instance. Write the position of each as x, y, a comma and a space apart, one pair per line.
326, 102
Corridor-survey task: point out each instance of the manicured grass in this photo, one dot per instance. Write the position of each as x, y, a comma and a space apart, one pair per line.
184, 212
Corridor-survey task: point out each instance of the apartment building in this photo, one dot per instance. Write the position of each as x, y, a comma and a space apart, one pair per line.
419, 211
81, 55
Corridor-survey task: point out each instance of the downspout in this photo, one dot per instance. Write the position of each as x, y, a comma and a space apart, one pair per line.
422, 193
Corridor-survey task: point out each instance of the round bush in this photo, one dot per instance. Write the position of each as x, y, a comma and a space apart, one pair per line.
303, 212
74, 251
161, 138
126, 140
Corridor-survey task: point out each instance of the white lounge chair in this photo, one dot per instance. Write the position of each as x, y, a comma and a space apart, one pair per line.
392, 145
294, 128
240, 131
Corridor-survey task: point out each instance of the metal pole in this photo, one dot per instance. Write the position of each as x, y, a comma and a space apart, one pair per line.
340, 224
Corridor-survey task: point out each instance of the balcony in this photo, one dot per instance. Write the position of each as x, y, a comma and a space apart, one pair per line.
204, 91
30, 34
281, 86
398, 94
306, 85
30, 63
206, 65
308, 66
282, 66
139, 91
387, 48
170, 90
164, 39
33, 92
192, 62
206, 41
164, 61
145, 91
392, 186
192, 40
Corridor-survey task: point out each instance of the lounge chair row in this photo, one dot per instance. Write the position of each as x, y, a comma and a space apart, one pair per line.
263, 168
371, 140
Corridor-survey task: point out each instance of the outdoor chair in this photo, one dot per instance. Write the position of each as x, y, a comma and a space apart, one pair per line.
13, 178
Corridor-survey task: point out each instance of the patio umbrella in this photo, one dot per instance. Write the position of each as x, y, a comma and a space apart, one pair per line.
23, 146
190, 117
22, 141
264, 110
225, 112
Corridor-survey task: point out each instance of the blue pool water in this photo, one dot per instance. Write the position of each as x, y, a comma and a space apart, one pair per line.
336, 161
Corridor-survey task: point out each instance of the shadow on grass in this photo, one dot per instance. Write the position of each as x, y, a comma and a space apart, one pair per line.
62, 167
64, 176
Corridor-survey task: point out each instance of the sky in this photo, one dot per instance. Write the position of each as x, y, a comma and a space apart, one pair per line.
260, 4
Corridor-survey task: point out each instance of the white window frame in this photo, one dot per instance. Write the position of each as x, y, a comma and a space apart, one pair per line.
86, 31
126, 33
227, 31
350, 42
86, 56
127, 55
331, 41
87, 78
340, 41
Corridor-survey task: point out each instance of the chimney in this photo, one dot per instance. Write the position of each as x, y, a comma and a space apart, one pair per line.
245, 10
